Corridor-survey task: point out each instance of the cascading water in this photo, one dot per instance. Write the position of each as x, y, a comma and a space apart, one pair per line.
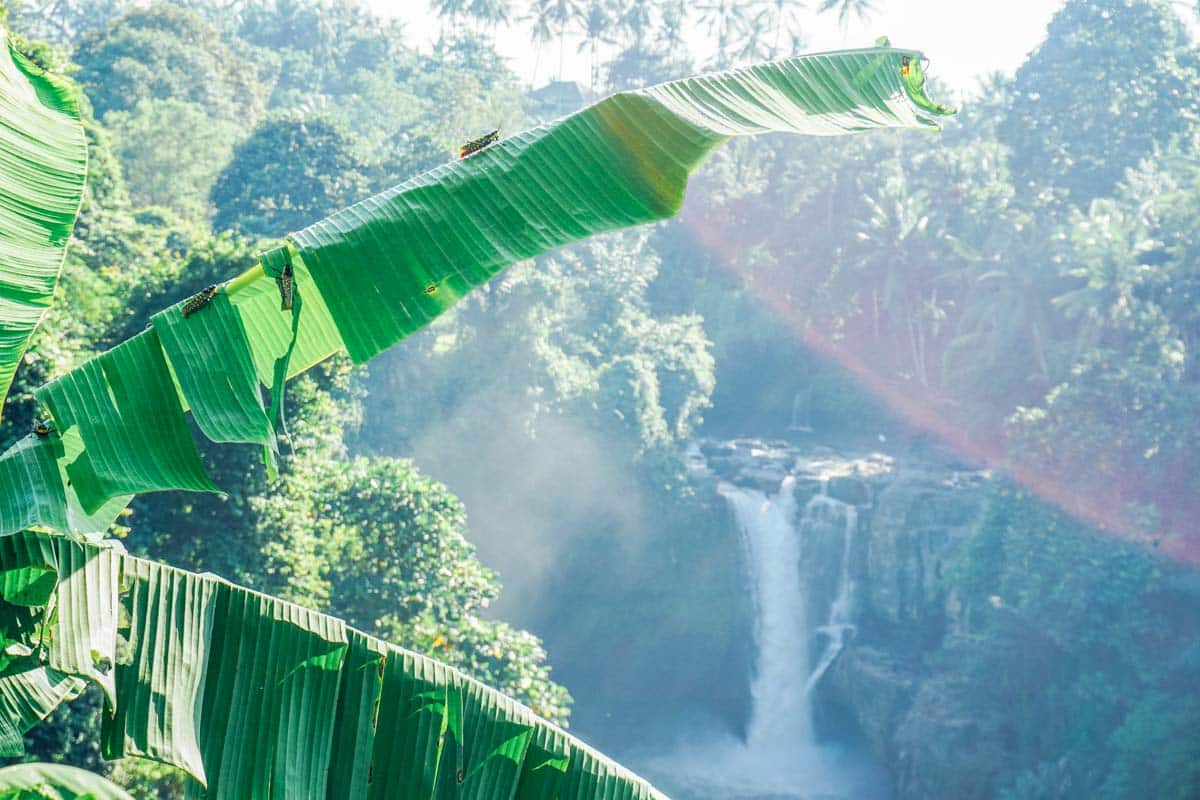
840, 624
781, 712
780, 756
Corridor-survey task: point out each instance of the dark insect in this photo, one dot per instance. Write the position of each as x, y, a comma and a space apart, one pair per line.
431, 288
199, 300
287, 287
475, 145
43, 428
904, 65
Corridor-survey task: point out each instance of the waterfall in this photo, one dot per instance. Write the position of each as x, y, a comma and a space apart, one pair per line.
780, 756
840, 622
781, 711
772, 538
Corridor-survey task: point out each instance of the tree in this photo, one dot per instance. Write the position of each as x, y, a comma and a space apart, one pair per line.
785, 22
171, 152
635, 21
862, 9
490, 14
63, 21
596, 19
316, 44
726, 20
164, 52
449, 11
556, 15
1113, 80
262, 194
674, 21
375, 542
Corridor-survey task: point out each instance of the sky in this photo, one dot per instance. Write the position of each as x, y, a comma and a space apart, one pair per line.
964, 39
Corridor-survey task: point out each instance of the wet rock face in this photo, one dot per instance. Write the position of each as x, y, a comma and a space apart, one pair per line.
912, 520
763, 464
918, 524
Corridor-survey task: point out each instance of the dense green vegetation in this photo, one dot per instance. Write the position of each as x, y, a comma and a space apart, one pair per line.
1023, 287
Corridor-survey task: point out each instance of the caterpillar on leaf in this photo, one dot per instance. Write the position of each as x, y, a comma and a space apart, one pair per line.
199, 300
475, 145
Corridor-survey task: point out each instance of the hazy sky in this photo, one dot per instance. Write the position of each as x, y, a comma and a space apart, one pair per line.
965, 39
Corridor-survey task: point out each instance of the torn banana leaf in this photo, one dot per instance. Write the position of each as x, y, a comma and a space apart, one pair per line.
211, 358
84, 581
258, 698
33, 492
28, 693
129, 418
31, 489
42, 174
381, 269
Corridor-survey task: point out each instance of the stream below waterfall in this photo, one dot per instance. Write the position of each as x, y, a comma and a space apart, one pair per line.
797, 636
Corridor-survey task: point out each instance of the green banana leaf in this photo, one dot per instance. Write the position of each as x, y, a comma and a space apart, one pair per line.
31, 488
27, 694
388, 265
43, 165
258, 698
56, 782
373, 273
130, 420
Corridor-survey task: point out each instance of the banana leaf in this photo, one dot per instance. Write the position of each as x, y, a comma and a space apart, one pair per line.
28, 693
388, 265
210, 354
31, 488
37, 781
128, 414
369, 275
257, 698
43, 165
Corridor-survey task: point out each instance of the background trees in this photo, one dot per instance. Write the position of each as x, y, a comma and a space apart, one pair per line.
1027, 282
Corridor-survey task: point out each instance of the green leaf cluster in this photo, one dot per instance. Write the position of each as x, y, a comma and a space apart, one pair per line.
324, 710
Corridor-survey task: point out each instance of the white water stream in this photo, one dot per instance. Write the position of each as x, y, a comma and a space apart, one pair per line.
780, 756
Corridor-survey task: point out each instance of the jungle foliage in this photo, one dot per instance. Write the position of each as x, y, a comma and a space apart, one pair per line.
118, 419
1025, 286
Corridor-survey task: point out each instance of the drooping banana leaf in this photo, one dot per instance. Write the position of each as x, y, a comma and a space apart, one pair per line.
258, 698
211, 358
43, 164
129, 418
85, 586
28, 693
38, 781
31, 488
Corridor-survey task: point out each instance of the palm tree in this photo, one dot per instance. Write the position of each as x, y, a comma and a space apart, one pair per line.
674, 17
725, 19
490, 14
596, 20
539, 34
450, 11
635, 19
862, 9
786, 21
753, 46
896, 248
555, 15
